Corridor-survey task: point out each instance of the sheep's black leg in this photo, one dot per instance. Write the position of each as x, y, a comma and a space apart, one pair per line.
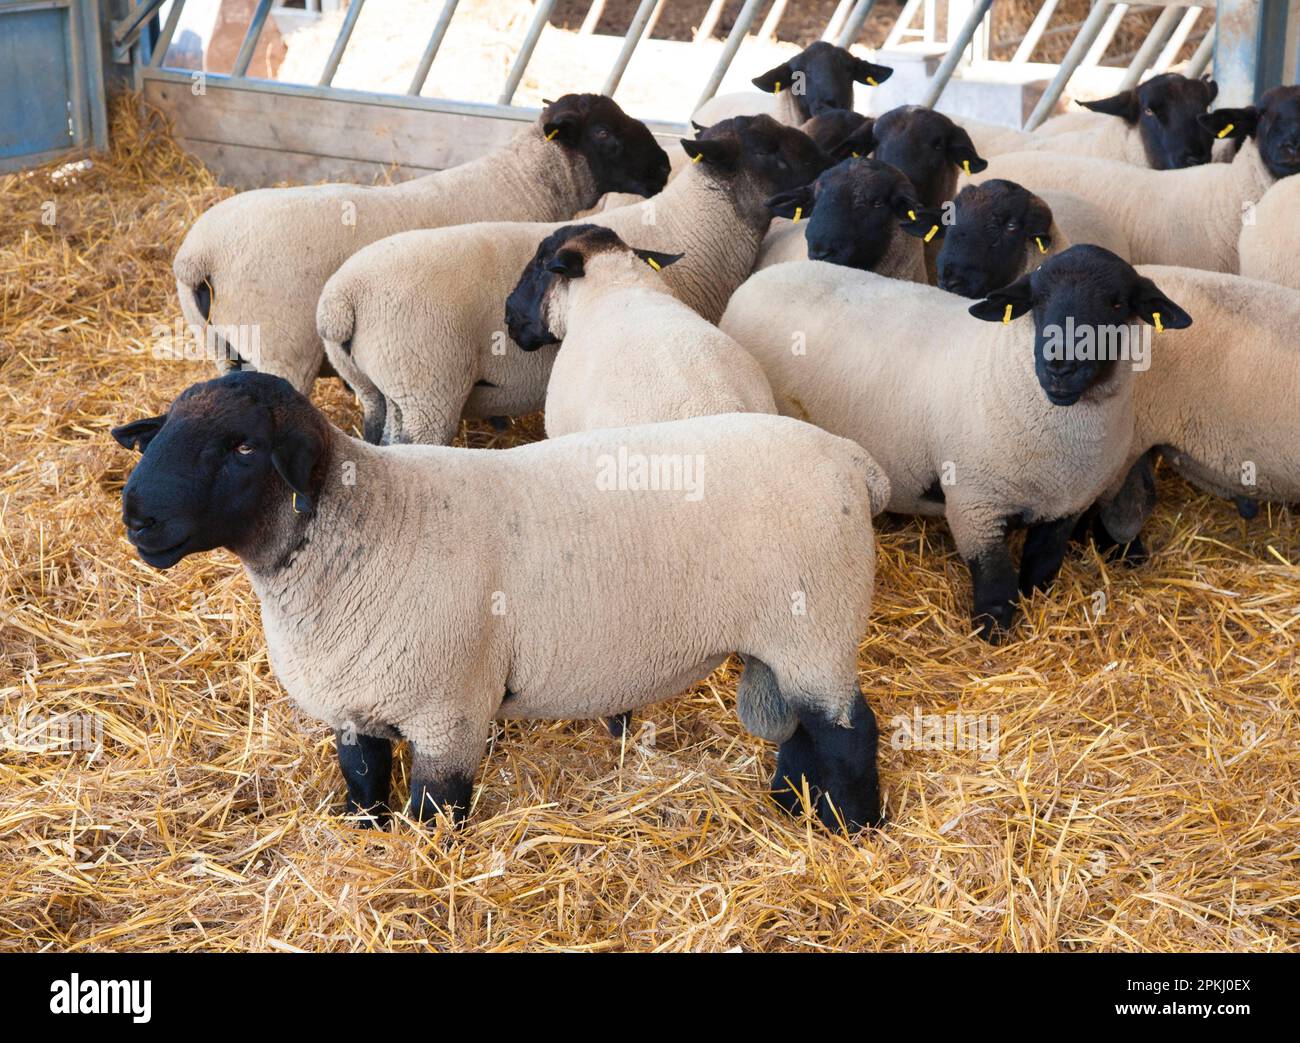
367, 766
499, 423
839, 764
450, 793
1246, 507
1132, 554
1044, 550
620, 724
372, 423
993, 578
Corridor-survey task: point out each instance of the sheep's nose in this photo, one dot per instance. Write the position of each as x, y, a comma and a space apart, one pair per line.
823, 252
136, 525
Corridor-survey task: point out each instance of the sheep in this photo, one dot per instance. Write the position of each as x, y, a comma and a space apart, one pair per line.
632, 352
414, 324
420, 592
1151, 125
999, 230
862, 213
1221, 404
992, 428
831, 128
259, 259
1188, 218
1266, 247
816, 80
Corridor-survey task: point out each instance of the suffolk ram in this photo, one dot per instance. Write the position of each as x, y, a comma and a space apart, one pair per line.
861, 213
993, 428
1221, 403
999, 230
421, 592
414, 324
259, 260
1189, 218
1154, 124
818, 79
633, 353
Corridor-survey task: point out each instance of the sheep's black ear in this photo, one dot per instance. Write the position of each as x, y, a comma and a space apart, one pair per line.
1155, 308
1005, 304
796, 204
1038, 224
923, 222
961, 151
775, 80
567, 263
862, 142
1124, 105
657, 260
869, 73
139, 433
723, 153
700, 128
565, 127
1212, 87
294, 458
1239, 123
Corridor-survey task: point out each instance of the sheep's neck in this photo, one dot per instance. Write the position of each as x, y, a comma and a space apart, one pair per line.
531, 179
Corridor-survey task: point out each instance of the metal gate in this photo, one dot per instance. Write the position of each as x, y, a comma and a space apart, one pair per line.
51, 81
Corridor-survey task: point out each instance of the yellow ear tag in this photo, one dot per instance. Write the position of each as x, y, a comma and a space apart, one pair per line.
911, 215
966, 166
653, 263
1160, 326
1041, 248
856, 155
872, 80
930, 234
1227, 130
798, 213
778, 87
1006, 316
296, 509
698, 156
552, 133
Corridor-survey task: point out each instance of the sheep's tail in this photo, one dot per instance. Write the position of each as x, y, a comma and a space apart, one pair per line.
336, 318
878, 490
336, 321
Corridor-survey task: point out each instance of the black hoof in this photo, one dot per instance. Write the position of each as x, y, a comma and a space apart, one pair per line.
839, 767
620, 724
499, 423
1246, 507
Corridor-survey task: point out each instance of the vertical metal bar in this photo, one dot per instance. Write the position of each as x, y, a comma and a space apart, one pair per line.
1170, 53
594, 12
949, 64
1088, 33
743, 21
1236, 51
840, 13
768, 29
929, 21
125, 30
164, 40
1098, 49
1035, 32
710, 21
1156, 39
341, 42
249, 45
1270, 48
431, 49
544, 8
905, 17
1200, 60
854, 23
630, 39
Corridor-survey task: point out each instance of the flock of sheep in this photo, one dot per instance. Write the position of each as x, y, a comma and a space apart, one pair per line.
812, 317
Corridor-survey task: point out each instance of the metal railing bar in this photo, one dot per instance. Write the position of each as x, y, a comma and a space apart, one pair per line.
589, 23
743, 21
127, 29
710, 20
1200, 60
768, 29
1092, 27
1099, 46
431, 49
905, 17
1035, 32
1151, 46
341, 42
630, 40
837, 19
164, 40
543, 13
854, 23
948, 66
246, 49
1170, 54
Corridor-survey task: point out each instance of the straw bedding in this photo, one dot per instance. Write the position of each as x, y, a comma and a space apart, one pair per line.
1143, 794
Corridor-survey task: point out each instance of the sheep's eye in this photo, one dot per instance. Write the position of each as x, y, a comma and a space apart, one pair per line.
1117, 304
1012, 226
877, 202
244, 449
937, 145
600, 133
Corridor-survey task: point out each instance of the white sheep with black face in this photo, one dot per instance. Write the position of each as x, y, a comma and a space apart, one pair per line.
992, 427
632, 352
420, 592
259, 259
